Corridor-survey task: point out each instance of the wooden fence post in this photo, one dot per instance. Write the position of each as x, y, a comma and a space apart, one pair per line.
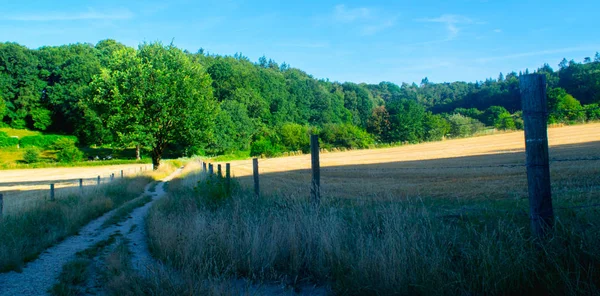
535, 117
51, 192
81, 186
98, 180
219, 172
228, 177
112, 177
204, 167
121, 174
1, 204
315, 189
210, 169
255, 173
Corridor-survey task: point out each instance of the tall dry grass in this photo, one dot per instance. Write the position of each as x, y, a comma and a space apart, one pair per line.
383, 247
26, 233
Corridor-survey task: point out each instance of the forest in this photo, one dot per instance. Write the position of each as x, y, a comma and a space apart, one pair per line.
164, 100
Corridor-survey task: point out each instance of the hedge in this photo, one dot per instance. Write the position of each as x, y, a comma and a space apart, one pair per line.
43, 141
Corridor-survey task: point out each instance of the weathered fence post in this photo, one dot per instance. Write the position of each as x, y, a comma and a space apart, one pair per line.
1, 204
112, 177
228, 177
255, 173
121, 174
210, 169
98, 180
51, 192
81, 186
315, 189
204, 167
535, 115
219, 172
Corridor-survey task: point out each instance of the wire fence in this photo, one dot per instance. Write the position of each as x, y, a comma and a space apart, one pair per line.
22, 195
299, 179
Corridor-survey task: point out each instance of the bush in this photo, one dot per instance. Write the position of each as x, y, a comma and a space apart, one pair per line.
45, 141
6, 141
69, 154
463, 126
295, 137
264, 147
32, 154
592, 112
344, 135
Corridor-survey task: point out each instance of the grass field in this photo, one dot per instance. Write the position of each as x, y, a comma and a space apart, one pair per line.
447, 218
486, 167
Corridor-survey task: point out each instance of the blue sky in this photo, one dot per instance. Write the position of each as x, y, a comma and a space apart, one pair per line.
359, 41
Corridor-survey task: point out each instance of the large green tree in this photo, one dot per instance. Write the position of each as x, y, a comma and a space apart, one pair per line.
154, 97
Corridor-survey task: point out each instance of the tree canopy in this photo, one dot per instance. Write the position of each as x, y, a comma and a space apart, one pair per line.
158, 97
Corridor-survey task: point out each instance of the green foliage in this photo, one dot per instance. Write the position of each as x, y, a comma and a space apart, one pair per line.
592, 111
407, 118
344, 135
155, 96
295, 137
462, 126
31, 155
6, 141
69, 154
45, 141
265, 147
436, 127
3, 109
563, 107
67, 151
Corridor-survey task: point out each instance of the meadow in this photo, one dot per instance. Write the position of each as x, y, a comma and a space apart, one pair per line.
447, 218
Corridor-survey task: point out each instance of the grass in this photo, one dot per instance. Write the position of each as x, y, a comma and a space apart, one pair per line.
238, 155
77, 271
467, 235
27, 233
13, 157
123, 212
12, 132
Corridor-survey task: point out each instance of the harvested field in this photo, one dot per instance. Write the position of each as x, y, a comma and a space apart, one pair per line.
486, 167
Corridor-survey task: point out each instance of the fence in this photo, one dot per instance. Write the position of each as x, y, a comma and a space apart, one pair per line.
533, 171
31, 193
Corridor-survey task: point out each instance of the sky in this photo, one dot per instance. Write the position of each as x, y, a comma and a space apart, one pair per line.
358, 41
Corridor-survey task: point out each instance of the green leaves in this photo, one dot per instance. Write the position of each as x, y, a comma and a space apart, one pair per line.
155, 96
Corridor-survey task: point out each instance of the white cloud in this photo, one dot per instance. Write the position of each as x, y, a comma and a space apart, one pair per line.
64, 16
498, 31
369, 21
451, 21
375, 28
346, 15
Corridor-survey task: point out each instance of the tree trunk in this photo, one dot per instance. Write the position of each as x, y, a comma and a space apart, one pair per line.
137, 152
155, 160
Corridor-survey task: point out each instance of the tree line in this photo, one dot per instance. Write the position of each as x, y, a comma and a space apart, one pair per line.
160, 98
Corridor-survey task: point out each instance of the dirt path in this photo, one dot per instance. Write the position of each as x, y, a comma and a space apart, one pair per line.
39, 276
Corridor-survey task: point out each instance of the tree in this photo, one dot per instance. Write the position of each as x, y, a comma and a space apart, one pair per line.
155, 96
564, 107
406, 119
2, 109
